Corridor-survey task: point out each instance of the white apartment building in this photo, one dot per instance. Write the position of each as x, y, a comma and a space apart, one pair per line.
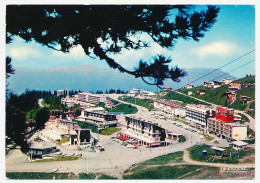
197, 115
170, 109
89, 97
133, 92
147, 95
99, 119
146, 132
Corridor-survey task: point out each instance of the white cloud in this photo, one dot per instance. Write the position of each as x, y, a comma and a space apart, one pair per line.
76, 52
23, 52
221, 48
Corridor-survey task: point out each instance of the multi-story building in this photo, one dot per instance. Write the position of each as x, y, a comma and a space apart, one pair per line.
223, 125
170, 109
146, 132
95, 99
98, 119
147, 95
133, 92
63, 92
197, 115
82, 96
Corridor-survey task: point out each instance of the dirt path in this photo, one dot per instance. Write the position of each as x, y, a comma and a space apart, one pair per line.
187, 159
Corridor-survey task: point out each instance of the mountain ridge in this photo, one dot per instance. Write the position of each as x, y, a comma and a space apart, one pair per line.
92, 78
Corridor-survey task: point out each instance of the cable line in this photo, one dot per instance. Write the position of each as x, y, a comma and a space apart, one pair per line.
221, 67
234, 69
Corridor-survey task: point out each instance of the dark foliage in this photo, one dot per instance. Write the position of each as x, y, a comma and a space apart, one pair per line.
104, 30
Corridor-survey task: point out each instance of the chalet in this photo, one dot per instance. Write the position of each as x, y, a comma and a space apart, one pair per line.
216, 84
189, 92
201, 92
245, 99
166, 88
234, 86
208, 84
227, 81
231, 96
189, 86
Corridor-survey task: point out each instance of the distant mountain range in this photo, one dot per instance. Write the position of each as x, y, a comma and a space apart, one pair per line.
91, 78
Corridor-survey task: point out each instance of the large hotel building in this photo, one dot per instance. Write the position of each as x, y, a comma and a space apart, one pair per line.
99, 119
223, 125
198, 115
146, 132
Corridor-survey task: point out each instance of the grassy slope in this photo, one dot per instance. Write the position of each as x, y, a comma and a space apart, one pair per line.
110, 131
217, 96
176, 172
36, 175
147, 103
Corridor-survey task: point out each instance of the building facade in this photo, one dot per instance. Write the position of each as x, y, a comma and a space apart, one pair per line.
197, 115
146, 132
98, 119
171, 110
223, 125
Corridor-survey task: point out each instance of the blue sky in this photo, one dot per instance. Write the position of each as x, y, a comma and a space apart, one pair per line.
232, 36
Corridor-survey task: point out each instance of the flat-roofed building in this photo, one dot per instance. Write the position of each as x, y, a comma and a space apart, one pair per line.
170, 109
133, 92
239, 145
197, 115
146, 132
147, 95
223, 125
39, 149
98, 119
63, 92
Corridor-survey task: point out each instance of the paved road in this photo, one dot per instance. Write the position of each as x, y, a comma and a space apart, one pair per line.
251, 120
114, 160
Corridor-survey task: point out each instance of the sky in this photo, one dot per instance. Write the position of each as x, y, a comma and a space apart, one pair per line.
232, 35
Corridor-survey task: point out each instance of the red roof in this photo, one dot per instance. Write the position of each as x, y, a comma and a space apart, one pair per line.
167, 87
168, 104
69, 112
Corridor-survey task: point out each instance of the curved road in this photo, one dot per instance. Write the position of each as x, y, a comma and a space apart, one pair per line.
251, 120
